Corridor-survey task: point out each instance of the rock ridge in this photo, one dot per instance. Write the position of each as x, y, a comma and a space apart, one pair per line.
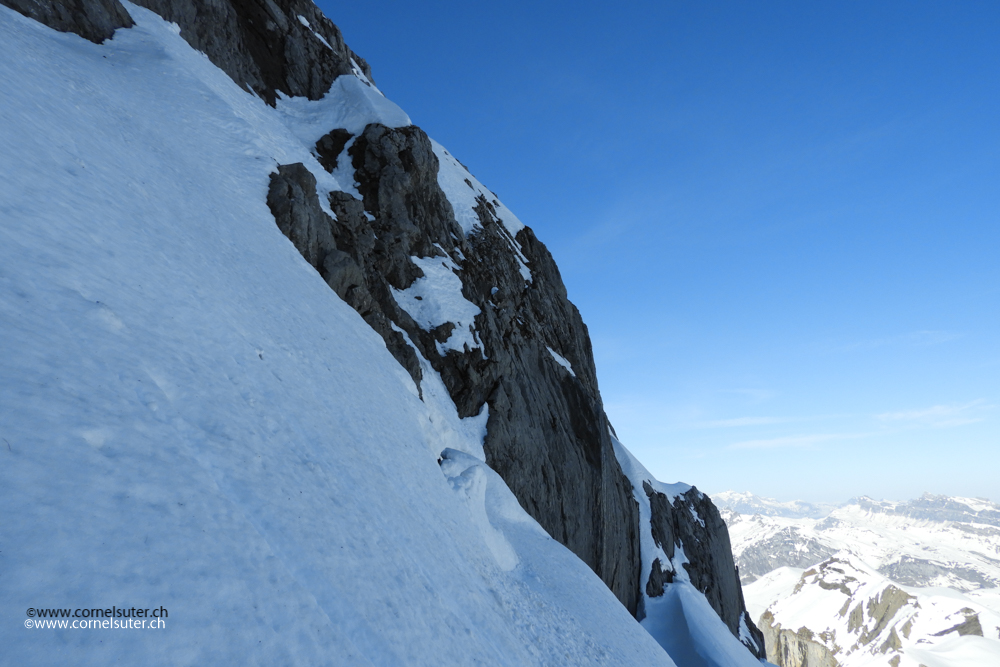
690, 521
546, 429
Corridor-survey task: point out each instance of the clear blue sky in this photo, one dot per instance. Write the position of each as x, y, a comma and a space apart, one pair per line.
780, 220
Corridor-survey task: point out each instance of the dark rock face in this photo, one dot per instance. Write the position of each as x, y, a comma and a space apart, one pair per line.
262, 45
693, 523
547, 432
95, 20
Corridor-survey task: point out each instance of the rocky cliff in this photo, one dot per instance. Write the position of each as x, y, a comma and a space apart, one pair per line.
691, 522
794, 648
517, 348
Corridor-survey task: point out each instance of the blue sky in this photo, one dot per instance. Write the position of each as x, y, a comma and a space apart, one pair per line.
780, 221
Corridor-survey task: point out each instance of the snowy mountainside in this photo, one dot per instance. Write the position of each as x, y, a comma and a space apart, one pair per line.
314, 452
931, 541
195, 420
842, 612
875, 583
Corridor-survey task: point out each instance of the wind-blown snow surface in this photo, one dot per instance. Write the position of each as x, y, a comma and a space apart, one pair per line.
192, 419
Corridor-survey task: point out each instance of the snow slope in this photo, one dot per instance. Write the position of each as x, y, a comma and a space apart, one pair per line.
190, 418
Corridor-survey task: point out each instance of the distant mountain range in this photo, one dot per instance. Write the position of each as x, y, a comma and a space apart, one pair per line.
870, 582
748, 503
930, 541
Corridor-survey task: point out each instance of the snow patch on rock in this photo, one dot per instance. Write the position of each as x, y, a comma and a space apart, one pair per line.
561, 360
465, 193
436, 299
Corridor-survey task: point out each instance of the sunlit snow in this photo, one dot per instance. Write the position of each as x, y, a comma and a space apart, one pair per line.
192, 418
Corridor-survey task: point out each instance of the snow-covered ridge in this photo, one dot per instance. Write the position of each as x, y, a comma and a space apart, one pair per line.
844, 612
193, 419
466, 193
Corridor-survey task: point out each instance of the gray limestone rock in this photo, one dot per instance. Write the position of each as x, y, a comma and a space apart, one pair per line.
882, 610
970, 626
95, 20
693, 522
547, 432
262, 45
791, 648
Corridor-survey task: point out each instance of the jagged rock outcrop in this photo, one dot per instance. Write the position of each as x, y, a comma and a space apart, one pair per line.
265, 46
95, 20
969, 627
547, 432
794, 648
527, 357
693, 523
